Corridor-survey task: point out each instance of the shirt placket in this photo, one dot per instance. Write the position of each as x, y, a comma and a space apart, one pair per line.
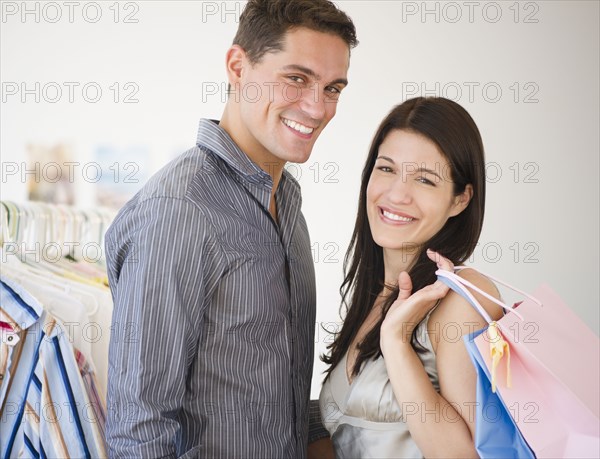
288, 210
10, 351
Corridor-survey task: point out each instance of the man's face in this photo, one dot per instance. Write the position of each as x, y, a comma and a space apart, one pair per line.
289, 96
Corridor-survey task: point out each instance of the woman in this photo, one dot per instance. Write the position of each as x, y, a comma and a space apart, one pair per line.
400, 382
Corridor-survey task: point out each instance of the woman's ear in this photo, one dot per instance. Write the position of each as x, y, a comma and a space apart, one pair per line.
462, 200
234, 63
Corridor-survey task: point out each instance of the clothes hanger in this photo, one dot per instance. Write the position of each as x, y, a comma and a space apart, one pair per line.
4, 233
63, 285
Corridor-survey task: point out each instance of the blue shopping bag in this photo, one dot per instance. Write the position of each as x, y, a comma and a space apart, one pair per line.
496, 434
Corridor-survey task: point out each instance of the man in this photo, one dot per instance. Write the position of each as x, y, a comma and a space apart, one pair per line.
210, 266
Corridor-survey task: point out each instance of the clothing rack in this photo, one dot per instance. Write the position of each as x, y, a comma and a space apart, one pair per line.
55, 320
54, 231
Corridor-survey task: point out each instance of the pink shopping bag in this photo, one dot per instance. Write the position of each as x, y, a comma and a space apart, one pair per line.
555, 371
549, 374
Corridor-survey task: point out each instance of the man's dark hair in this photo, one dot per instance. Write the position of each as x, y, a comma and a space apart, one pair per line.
264, 23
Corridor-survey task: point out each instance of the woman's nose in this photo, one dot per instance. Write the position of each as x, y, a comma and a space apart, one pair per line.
400, 191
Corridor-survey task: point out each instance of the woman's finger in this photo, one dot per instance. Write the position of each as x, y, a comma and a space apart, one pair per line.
404, 286
430, 293
442, 262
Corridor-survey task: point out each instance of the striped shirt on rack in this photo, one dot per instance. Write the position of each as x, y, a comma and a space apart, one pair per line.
45, 410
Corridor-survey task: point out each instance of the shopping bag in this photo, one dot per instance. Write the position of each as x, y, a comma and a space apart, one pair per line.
496, 433
550, 380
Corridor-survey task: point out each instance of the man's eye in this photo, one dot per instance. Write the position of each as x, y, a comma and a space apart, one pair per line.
296, 79
332, 93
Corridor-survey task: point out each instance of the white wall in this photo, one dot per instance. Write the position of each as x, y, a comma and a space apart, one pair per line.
529, 77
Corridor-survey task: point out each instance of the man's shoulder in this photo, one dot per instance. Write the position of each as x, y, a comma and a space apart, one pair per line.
176, 177
173, 186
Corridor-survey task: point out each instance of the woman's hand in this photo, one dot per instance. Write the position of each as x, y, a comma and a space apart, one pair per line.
409, 309
450, 433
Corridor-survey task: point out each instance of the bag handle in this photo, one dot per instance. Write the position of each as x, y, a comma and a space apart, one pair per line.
495, 279
450, 279
498, 345
459, 285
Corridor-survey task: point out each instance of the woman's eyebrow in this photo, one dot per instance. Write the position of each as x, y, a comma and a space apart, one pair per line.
386, 158
411, 166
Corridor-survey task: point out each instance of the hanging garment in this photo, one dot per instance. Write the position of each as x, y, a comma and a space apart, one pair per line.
45, 409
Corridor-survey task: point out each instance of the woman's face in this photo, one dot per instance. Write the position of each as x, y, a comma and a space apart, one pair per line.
410, 192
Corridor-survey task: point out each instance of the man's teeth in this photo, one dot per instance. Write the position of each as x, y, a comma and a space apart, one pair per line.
397, 217
298, 127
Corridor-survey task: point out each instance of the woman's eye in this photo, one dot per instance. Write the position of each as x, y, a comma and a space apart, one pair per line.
425, 181
385, 169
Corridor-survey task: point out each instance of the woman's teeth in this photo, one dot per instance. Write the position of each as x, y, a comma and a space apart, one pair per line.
397, 218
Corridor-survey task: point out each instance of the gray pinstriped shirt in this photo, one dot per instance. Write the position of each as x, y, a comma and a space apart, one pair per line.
211, 350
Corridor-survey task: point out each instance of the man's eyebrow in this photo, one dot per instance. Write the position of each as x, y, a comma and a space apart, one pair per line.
311, 73
418, 169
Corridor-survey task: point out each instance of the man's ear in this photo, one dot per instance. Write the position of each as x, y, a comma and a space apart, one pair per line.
234, 63
462, 200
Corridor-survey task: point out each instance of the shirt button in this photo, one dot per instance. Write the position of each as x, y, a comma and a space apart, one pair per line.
10, 339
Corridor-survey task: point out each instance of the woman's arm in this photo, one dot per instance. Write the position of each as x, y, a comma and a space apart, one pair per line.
442, 424
321, 449
320, 445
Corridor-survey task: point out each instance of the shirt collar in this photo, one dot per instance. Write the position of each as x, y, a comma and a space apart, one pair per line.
18, 306
216, 139
259, 183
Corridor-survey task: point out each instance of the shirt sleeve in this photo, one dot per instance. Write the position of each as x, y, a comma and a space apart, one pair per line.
316, 429
157, 266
